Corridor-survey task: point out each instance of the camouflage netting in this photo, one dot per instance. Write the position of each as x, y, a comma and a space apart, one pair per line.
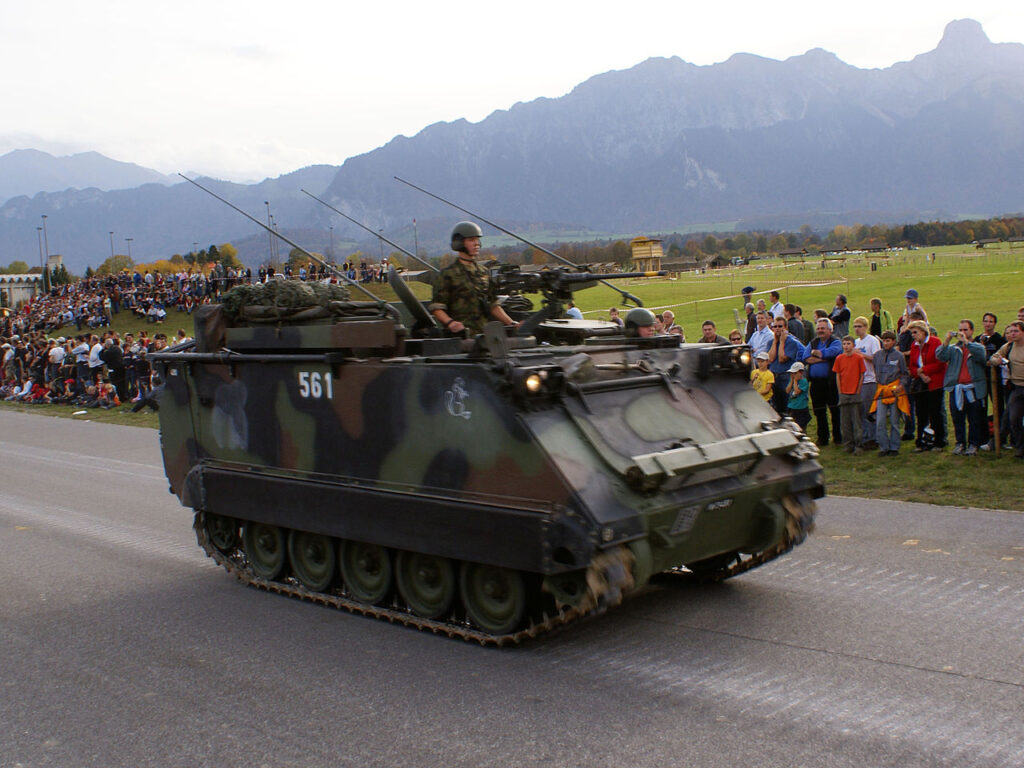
288, 301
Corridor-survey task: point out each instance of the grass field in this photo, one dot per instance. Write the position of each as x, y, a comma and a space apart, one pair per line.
960, 282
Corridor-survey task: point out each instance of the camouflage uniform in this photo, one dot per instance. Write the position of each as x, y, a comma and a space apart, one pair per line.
467, 294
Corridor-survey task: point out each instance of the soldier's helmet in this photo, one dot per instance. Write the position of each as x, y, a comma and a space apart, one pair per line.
638, 317
463, 230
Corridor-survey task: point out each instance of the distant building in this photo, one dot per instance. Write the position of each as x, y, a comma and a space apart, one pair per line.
17, 289
647, 254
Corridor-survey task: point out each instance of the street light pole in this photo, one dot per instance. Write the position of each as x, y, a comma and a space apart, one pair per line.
129, 240
270, 236
381, 242
330, 254
46, 264
39, 234
111, 244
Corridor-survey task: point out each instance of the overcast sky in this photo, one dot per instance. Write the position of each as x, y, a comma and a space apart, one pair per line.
248, 90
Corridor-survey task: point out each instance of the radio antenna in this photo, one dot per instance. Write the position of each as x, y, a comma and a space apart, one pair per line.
337, 272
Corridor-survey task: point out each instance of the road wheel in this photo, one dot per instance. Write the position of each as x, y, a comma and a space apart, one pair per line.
495, 598
223, 531
313, 559
366, 569
426, 583
265, 549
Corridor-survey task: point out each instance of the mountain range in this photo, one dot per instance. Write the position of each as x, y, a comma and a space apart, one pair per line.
27, 171
662, 146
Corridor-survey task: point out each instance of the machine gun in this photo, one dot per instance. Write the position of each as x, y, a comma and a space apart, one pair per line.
556, 286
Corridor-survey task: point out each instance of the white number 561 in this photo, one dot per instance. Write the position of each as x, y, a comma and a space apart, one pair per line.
315, 384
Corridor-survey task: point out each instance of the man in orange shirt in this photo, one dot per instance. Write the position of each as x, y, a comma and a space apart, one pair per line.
849, 369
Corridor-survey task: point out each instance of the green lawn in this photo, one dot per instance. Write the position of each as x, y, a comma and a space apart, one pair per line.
960, 282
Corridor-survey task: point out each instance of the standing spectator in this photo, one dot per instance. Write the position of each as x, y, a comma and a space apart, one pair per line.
794, 326
748, 295
735, 337
761, 340
1013, 353
709, 333
881, 319
929, 373
798, 388
81, 353
849, 368
820, 354
866, 346
95, 361
785, 351
992, 340
776, 310
965, 383
808, 333
761, 378
669, 324
750, 324
840, 317
905, 340
890, 399
113, 358
912, 307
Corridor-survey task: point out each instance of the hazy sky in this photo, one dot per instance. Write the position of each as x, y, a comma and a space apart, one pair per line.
249, 90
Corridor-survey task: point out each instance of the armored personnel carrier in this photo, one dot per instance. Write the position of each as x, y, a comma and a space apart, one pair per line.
489, 488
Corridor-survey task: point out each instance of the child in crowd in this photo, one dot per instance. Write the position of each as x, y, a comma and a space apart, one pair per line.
849, 369
762, 379
797, 389
890, 400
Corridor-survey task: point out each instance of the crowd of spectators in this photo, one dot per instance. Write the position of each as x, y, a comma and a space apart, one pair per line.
59, 348
889, 381
91, 370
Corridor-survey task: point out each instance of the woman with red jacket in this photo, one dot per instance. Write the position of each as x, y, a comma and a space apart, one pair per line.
928, 372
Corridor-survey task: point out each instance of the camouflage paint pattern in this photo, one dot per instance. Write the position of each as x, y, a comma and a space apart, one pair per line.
345, 408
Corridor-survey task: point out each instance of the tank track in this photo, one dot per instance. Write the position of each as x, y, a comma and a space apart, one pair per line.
607, 580
800, 515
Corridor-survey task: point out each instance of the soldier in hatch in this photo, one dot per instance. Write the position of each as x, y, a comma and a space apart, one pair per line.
640, 322
465, 296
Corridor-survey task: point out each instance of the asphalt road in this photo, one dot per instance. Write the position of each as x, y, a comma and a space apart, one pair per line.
893, 637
